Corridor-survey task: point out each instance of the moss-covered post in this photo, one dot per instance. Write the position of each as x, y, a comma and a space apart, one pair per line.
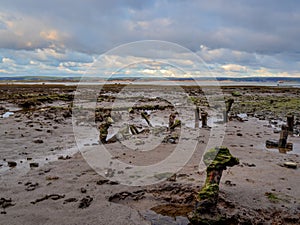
216, 159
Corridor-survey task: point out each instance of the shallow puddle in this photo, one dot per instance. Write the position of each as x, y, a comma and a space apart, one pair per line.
159, 219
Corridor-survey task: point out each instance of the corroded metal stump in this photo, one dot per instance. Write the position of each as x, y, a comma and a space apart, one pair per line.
216, 159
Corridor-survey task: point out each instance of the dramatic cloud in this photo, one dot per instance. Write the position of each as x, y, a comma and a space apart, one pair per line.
234, 38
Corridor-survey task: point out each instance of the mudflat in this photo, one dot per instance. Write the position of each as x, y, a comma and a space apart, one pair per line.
46, 177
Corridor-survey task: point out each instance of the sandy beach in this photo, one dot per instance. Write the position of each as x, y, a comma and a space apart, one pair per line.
47, 178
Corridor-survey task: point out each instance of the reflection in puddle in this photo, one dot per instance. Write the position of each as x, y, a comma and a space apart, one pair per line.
159, 219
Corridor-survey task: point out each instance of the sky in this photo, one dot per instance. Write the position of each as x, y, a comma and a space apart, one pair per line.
233, 38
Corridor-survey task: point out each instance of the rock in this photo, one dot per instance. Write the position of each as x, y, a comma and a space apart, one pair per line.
31, 186
64, 157
172, 178
82, 190
38, 141
11, 163
229, 183
239, 134
276, 130
32, 165
242, 117
85, 202
290, 165
5, 203
249, 164
100, 182
271, 143
52, 178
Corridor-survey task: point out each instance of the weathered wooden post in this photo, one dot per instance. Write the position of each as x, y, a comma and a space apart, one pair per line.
228, 103
197, 111
216, 159
290, 123
283, 137
204, 119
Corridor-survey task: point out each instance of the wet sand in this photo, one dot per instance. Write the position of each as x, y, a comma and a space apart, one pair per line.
65, 189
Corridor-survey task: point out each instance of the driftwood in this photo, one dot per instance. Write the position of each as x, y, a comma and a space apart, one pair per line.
145, 116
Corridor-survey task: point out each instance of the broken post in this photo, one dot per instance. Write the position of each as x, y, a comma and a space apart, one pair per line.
204, 119
103, 128
197, 117
171, 120
177, 123
290, 124
145, 116
216, 159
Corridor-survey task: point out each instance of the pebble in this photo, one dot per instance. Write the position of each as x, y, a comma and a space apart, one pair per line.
31, 165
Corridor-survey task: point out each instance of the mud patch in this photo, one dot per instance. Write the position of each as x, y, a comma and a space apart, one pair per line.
167, 203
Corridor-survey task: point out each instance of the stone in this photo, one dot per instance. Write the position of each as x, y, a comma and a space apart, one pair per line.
85, 202
34, 164
38, 141
11, 163
271, 143
290, 165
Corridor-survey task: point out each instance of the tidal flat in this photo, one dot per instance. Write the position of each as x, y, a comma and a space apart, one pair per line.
46, 176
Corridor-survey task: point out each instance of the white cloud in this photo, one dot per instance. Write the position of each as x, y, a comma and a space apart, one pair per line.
7, 61
234, 68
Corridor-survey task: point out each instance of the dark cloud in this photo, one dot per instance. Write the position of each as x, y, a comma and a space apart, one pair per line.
267, 28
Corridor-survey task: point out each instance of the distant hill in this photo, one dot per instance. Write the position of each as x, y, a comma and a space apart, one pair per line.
74, 79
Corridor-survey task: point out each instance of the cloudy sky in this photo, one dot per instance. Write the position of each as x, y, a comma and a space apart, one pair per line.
66, 37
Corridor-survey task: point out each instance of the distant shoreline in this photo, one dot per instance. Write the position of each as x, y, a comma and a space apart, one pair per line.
206, 84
